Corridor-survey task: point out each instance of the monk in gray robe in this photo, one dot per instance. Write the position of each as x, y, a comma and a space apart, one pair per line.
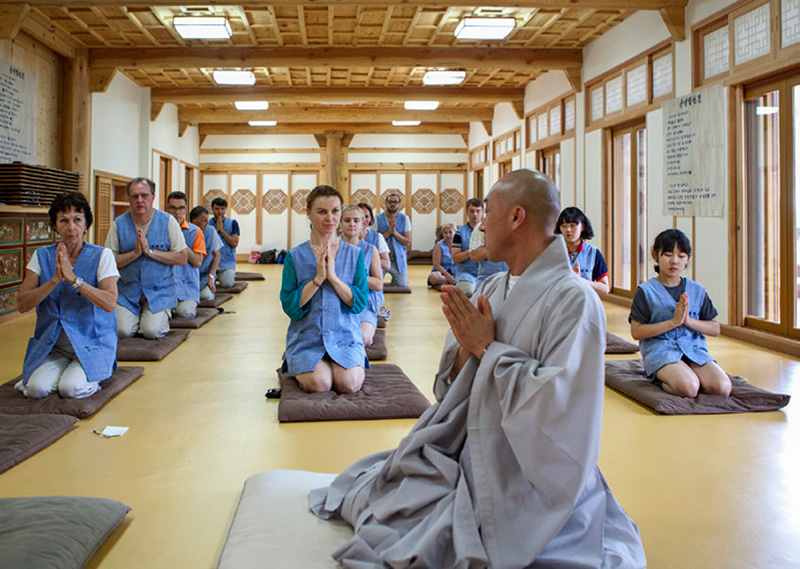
502, 471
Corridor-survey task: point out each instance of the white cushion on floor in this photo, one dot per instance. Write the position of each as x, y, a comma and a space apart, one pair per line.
273, 527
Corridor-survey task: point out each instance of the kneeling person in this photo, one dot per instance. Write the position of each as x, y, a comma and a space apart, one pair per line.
228, 231
187, 276
208, 268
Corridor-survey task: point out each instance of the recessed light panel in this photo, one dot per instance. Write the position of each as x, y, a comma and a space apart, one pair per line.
421, 105
262, 123
484, 28
406, 123
444, 77
233, 77
202, 27
251, 105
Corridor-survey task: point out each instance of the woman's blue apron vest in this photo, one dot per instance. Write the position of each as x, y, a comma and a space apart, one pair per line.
370, 313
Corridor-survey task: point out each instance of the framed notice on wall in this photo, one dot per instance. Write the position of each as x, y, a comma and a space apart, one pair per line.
17, 114
696, 154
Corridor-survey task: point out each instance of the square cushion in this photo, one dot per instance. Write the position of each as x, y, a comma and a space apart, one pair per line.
15, 403
245, 276
381, 322
138, 349
203, 316
628, 377
235, 289
389, 289
58, 532
24, 436
387, 393
216, 301
377, 351
617, 345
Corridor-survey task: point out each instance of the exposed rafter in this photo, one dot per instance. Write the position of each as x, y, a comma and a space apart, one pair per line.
351, 128
320, 115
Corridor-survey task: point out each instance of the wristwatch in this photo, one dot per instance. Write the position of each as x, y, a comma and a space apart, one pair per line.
78, 283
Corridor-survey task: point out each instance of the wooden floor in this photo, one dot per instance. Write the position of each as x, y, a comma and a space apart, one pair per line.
711, 491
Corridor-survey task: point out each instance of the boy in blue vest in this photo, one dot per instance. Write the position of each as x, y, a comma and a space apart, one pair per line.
208, 268
187, 277
228, 231
146, 243
466, 268
396, 229
479, 254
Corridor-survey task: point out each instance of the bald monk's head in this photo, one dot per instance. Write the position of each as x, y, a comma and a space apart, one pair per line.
533, 191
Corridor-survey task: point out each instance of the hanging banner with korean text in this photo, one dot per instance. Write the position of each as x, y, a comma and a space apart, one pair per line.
17, 114
696, 154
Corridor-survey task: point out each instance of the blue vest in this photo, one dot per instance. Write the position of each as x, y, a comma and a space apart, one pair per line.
373, 238
210, 234
91, 330
144, 275
325, 328
399, 249
466, 270
227, 255
487, 268
586, 258
187, 276
370, 313
447, 258
671, 346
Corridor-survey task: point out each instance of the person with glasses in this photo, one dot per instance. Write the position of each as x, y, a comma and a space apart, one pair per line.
187, 276
395, 227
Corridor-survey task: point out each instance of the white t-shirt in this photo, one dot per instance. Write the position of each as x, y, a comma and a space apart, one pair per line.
176, 240
107, 267
383, 247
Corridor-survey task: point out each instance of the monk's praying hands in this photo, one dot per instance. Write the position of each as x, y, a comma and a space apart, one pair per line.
472, 326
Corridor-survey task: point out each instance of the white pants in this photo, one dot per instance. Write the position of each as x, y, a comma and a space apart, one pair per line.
206, 294
149, 324
467, 287
59, 372
186, 309
226, 278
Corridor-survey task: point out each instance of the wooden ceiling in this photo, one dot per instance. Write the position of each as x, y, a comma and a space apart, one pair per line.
335, 63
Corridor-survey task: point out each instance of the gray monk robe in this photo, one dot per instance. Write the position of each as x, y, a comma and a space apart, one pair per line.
502, 471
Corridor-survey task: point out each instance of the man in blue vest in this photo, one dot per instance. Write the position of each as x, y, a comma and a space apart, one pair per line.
467, 269
146, 243
228, 231
396, 229
187, 277
208, 268
479, 254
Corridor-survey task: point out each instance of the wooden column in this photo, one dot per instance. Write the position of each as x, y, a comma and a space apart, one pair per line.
335, 159
76, 119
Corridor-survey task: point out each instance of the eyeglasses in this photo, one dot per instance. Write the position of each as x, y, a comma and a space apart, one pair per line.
393, 202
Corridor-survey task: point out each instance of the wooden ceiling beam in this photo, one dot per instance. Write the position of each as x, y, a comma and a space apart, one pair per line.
461, 129
511, 59
593, 4
200, 95
11, 18
675, 19
332, 115
44, 31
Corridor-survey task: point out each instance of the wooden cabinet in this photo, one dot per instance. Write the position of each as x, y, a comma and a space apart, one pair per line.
111, 201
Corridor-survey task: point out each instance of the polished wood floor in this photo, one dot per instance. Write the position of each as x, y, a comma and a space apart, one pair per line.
710, 491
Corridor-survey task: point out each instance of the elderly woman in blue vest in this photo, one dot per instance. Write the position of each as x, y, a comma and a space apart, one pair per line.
466, 268
444, 269
187, 277
324, 289
73, 286
228, 232
146, 243
395, 227
587, 261
352, 226
669, 316
208, 268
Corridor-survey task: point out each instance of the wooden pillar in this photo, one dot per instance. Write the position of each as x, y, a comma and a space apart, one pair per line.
76, 119
335, 156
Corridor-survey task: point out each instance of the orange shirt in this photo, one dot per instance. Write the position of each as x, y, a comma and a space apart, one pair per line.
199, 245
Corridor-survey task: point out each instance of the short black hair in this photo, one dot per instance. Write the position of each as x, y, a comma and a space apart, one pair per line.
474, 202
71, 200
219, 202
147, 181
322, 191
668, 239
176, 196
196, 212
575, 215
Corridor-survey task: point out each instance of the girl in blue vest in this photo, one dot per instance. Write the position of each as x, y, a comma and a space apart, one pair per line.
352, 226
323, 290
444, 269
669, 316
73, 286
587, 261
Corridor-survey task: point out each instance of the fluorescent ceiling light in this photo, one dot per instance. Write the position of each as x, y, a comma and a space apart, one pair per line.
484, 28
234, 77
262, 123
766, 110
444, 77
251, 105
405, 123
202, 27
421, 105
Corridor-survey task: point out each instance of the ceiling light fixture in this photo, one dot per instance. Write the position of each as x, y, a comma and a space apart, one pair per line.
444, 77
251, 105
421, 105
484, 28
406, 123
233, 77
202, 27
262, 123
